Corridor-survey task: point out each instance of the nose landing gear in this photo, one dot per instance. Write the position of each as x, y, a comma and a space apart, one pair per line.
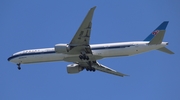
19, 66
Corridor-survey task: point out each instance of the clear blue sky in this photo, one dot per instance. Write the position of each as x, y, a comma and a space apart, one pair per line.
28, 24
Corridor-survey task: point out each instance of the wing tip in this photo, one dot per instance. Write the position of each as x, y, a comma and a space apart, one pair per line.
93, 7
122, 75
125, 75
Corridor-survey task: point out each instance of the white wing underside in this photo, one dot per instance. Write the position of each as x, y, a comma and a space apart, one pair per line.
105, 69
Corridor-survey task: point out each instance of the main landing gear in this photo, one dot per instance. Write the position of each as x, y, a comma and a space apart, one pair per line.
19, 66
83, 56
91, 69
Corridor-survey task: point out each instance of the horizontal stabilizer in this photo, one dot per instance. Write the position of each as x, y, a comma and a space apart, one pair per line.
166, 50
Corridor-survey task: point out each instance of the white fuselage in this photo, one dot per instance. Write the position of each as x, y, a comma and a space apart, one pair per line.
99, 51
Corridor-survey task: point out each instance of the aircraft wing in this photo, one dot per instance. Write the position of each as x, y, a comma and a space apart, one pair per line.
105, 69
82, 36
80, 43
101, 68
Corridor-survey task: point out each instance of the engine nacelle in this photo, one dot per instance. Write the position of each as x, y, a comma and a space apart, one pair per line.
74, 68
61, 48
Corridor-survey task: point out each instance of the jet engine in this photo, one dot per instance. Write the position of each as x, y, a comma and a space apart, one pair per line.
74, 68
61, 48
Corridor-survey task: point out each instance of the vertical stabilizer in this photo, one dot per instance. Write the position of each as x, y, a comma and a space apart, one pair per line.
158, 32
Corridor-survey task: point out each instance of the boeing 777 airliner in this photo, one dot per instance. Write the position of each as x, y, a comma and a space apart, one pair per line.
85, 56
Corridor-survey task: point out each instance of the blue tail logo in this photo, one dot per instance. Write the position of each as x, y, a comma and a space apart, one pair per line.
161, 27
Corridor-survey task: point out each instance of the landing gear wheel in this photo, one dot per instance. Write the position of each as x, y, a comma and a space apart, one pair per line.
91, 69
94, 69
87, 58
19, 66
80, 57
84, 57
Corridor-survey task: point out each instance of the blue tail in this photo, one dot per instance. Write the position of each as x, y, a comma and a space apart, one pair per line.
161, 27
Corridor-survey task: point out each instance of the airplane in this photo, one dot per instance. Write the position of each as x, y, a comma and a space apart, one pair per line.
85, 56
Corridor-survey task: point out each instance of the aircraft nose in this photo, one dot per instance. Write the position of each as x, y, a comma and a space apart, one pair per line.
9, 59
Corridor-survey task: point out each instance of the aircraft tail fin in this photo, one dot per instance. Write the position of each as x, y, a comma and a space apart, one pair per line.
166, 50
156, 37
